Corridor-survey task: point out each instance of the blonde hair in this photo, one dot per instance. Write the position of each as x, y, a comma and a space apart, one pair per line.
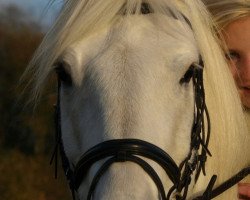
226, 11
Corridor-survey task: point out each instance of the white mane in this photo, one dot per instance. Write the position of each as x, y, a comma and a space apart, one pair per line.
80, 20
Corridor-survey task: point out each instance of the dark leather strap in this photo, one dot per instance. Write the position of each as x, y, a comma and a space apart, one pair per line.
59, 145
125, 148
212, 193
119, 158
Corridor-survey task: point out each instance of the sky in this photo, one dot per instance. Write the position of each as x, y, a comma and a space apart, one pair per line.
37, 9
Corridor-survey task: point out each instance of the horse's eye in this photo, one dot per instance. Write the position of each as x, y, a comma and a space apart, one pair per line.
188, 75
63, 75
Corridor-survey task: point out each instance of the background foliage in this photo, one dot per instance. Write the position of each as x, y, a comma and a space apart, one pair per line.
26, 135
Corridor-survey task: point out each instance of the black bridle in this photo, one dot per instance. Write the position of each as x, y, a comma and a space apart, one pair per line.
123, 150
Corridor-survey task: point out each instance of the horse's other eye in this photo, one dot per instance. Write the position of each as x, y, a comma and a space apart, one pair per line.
188, 75
63, 75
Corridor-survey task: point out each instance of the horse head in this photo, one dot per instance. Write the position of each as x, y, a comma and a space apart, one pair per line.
130, 76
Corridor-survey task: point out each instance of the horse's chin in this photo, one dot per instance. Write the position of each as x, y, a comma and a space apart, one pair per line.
123, 181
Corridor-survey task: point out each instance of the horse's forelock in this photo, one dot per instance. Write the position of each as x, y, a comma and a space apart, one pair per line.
78, 20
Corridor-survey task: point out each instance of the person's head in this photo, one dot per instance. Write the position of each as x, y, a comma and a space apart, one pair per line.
232, 18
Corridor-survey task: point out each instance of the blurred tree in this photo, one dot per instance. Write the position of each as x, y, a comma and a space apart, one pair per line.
26, 136
18, 40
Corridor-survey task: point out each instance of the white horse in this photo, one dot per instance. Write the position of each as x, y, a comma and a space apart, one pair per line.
120, 74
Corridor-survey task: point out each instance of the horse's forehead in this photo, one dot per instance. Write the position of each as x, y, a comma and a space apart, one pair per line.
171, 37
136, 28
146, 42
138, 38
